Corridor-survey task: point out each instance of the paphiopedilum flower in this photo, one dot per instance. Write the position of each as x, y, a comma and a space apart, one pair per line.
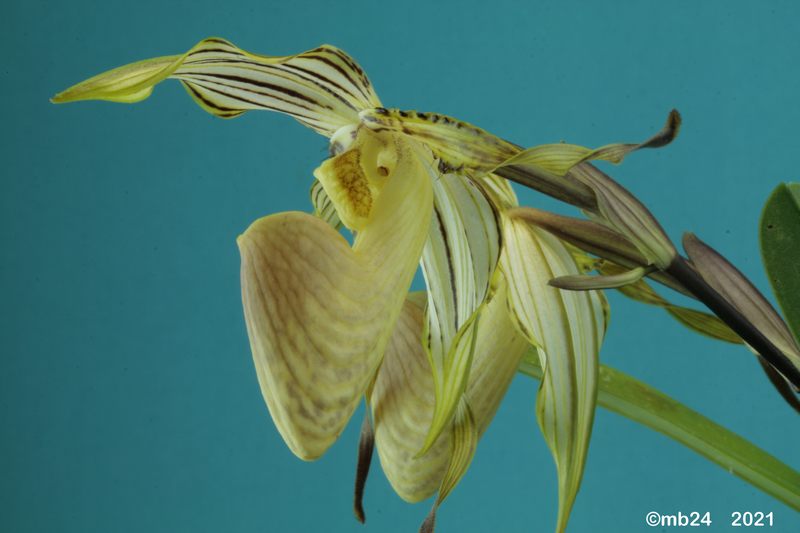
330, 322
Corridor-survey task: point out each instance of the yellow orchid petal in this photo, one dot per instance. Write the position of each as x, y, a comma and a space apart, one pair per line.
319, 314
458, 262
402, 399
323, 88
560, 158
567, 328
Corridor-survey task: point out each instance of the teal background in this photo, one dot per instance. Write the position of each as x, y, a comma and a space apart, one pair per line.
128, 400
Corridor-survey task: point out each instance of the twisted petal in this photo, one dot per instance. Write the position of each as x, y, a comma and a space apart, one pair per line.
560, 158
319, 314
458, 262
567, 328
323, 88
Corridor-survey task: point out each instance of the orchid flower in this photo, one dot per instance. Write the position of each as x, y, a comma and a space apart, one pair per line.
330, 322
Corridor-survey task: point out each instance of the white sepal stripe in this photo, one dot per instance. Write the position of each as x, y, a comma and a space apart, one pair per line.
567, 328
323, 88
458, 263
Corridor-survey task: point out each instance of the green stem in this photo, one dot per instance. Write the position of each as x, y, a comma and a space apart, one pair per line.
641, 403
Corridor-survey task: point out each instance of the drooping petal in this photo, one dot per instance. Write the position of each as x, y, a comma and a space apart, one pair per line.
560, 158
323, 88
498, 349
567, 328
458, 263
319, 314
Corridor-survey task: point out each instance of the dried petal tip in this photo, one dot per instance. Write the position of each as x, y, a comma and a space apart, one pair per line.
667, 134
429, 524
366, 445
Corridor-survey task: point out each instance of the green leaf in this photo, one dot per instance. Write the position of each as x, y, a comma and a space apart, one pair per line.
641, 403
780, 249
